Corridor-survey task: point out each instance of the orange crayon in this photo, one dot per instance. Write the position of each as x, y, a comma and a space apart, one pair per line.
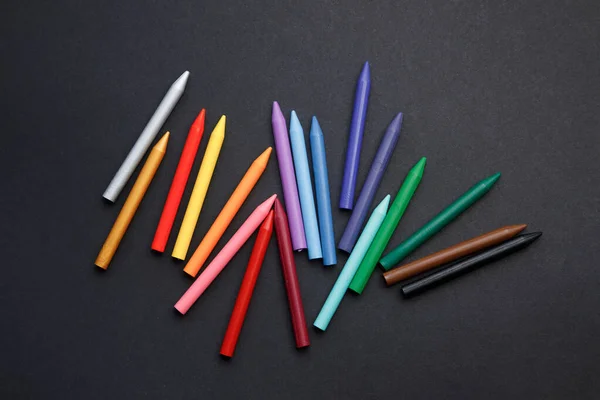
229, 211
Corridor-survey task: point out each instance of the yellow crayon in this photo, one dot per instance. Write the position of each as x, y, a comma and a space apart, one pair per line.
131, 204
199, 192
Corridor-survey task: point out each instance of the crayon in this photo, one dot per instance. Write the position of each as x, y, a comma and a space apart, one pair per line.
132, 203
451, 254
288, 179
471, 263
307, 200
341, 284
317, 147
367, 193
192, 212
248, 283
163, 230
438, 222
146, 138
357, 126
229, 211
221, 260
382, 238
290, 277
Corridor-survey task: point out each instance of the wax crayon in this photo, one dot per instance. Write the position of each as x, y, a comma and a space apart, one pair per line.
451, 253
132, 203
305, 191
221, 260
290, 277
192, 212
341, 284
438, 222
163, 230
471, 263
357, 126
146, 138
367, 193
405, 194
317, 147
226, 215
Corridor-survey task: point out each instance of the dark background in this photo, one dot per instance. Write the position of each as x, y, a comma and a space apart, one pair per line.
486, 86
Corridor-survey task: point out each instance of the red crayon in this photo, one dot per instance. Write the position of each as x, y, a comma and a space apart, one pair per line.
245, 294
178, 185
286, 254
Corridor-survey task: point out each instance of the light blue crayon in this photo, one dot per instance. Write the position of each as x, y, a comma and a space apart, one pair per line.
358, 253
319, 161
307, 200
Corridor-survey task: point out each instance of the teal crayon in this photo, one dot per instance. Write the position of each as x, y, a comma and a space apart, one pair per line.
341, 284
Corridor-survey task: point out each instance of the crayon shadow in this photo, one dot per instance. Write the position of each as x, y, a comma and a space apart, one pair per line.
107, 203
98, 270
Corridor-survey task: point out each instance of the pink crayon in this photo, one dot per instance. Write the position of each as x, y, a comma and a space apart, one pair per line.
225, 255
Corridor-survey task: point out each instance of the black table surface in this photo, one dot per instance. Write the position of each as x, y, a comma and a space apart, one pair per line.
486, 86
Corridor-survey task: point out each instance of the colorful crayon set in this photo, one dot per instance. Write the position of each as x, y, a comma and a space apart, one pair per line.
308, 223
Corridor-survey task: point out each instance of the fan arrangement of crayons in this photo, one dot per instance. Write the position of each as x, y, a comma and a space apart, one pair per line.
306, 226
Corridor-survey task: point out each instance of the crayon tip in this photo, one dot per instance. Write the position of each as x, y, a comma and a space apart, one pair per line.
161, 145
420, 166
277, 206
200, 118
366, 71
517, 228
295, 126
491, 180
397, 121
532, 236
277, 114
264, 157
383, 206
182, 80
221, 124
269, 202
315, 128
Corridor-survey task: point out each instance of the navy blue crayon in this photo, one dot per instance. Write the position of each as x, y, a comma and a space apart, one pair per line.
378, 166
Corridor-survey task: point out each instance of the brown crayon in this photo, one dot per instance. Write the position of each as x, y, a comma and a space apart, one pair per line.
452, 253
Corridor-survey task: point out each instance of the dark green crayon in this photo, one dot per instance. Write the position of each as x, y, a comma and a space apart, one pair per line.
438, 222
388, 226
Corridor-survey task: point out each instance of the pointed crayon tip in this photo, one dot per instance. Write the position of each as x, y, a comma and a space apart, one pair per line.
383, 206
315, 128
182, 80
264, 157
295, 126
277, 206
199, 121
162, 143
271, 200
366, 71
396, 123
420, 165
489, 181
276, 108
517, 228
532, 236
276, 114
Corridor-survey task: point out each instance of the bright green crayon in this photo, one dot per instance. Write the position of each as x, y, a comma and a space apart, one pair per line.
438, 222
369, 262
